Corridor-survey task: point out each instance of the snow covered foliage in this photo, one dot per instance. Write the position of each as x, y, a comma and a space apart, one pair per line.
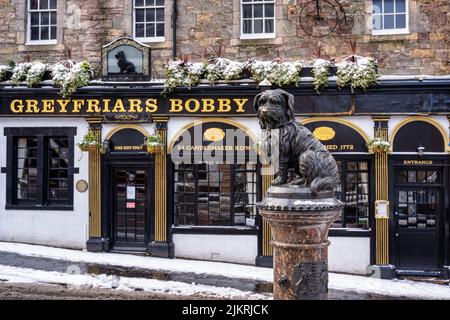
182, 72
358, 74
277, 72
75, 78
321, 72
4, 70
36, 74
20, 72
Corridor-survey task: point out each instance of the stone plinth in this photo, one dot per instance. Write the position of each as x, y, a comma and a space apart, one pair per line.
300, 222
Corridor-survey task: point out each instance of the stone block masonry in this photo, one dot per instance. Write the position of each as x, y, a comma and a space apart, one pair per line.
84, 26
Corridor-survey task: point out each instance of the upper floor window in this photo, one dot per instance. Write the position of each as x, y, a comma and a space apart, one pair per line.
41, 22
149, 20
257, 19
390, 17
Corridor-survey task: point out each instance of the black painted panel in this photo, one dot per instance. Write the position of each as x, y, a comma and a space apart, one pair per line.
416, 133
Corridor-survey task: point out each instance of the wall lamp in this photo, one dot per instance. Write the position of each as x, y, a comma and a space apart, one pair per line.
420, 150
105, 146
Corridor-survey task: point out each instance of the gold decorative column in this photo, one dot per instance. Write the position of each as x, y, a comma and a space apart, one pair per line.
381, 130
95, 228
267, 250
161, 246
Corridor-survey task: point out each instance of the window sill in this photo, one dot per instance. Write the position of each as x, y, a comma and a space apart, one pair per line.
40, 208
243, 230
41, 43
151, 40
389, 32
257, 36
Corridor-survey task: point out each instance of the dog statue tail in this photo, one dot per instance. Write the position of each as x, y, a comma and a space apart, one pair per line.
322, 184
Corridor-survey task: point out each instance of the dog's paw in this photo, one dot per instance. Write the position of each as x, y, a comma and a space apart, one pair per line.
279, 180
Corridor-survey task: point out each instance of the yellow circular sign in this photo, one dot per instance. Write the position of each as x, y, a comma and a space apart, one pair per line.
81, 186
214, 134
324, 133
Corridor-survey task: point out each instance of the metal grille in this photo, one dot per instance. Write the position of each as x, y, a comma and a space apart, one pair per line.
217, 194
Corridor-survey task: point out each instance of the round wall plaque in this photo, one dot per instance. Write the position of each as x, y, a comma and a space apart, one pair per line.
82, 186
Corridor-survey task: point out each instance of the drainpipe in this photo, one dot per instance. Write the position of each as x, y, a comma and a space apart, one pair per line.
174, 29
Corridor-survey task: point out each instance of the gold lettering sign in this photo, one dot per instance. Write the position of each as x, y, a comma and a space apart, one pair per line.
132, 105
324, 133
418, 162
214, 134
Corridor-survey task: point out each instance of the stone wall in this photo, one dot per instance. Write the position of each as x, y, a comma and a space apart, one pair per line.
84, 26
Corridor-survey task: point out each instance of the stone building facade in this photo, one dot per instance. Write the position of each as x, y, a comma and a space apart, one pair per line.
84, 26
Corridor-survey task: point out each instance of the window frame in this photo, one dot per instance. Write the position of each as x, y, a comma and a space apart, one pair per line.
371, 171
148, 39
28, 35
43, 202
253, 35
394, 31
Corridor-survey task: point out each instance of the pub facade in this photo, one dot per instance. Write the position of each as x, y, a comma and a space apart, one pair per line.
121, 197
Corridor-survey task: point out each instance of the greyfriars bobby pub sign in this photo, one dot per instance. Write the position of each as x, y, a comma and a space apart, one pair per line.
125, 59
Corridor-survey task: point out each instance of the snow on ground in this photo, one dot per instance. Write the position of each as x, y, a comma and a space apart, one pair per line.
394, 288
25, 275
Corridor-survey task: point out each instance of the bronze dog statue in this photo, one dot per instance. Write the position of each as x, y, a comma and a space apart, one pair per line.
299, 151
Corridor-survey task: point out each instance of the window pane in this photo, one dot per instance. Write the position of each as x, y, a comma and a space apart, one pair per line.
35, 18
400, 21
27, 184
377, 6
149, 2
52, 4
140, 15
33, 4
268, 10
160, 29
247, 11
139, 3
53, 18
159, 2
43, 4
269, 25
58, 173
400, 6
149, 15
258, 11
150, 30
140, 30
34, 33
44, 33
45, 18
388, 6
388, 22
53, 33
247, 26
258, 26
159, 14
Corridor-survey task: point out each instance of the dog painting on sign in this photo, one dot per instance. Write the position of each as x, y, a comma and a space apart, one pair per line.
299, 151
124, 65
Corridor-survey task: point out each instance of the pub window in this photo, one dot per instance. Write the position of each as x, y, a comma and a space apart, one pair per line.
215, 194
41, 22
389, 16
354, 192
149, 20
40, 168
257, 19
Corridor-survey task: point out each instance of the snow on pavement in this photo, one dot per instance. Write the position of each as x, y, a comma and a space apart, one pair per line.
25, 275
394, 288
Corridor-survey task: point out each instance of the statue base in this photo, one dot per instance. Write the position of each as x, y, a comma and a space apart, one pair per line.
300, 222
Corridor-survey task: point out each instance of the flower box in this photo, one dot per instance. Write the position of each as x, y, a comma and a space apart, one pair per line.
155, 149
89, 147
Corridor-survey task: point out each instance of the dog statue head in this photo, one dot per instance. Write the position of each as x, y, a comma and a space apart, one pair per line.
274, 107
120, 56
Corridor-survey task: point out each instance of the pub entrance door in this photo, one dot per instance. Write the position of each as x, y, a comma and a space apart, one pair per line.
129, 208
418, 208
